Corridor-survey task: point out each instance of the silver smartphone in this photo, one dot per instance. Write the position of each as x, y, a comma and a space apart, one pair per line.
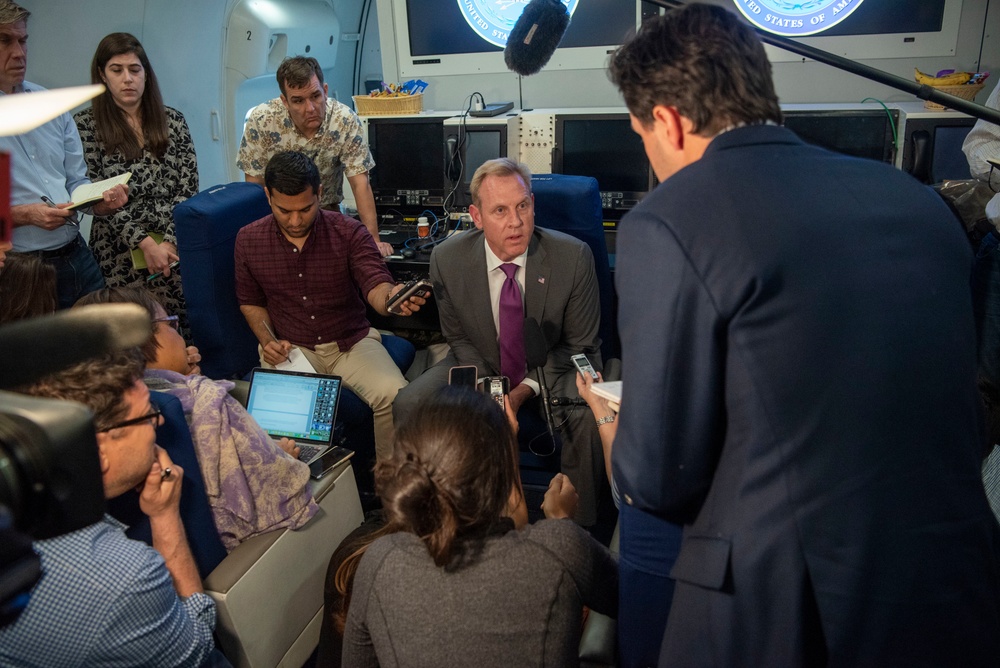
584, 366
419, 288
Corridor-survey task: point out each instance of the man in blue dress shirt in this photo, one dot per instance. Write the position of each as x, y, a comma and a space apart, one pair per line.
103, 599
46, 165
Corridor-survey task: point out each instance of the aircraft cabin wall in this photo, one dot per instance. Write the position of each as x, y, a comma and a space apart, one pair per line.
186, 41
796, 81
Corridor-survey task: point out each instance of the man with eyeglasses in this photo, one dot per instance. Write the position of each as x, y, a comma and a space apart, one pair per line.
105, 599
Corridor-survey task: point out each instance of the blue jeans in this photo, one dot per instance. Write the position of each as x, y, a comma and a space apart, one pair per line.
648, 548
77, 273
986, 306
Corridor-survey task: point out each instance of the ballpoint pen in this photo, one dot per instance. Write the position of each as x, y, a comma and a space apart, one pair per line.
173, 265
72, 220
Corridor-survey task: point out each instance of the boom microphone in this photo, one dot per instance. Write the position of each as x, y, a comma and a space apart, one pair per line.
37, 347
535, 36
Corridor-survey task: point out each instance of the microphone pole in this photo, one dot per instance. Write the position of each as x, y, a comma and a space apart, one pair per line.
536, 354
922, 91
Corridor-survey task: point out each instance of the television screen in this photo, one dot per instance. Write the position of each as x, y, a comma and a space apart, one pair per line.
443, 37
476, 26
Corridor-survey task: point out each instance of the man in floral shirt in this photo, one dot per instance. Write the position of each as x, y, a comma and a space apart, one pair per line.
304, 119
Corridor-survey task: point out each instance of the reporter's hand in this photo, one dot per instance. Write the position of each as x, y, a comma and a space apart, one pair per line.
599, 405
508, 408
41, 215
276, 352
288, 445
409, 306
384, 249
158, 256
114, 198
160, 493
561, 499
193, 357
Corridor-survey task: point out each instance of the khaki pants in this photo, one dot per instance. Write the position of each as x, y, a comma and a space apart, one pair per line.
370, 373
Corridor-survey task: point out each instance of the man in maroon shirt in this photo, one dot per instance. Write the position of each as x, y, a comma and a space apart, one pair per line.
300, 276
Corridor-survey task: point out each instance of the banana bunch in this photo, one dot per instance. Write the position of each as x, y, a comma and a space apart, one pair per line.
950, 79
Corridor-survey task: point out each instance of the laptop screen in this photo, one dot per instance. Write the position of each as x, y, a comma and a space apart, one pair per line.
301, 406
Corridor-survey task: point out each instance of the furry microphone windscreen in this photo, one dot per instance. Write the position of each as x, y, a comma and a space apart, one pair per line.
535, 36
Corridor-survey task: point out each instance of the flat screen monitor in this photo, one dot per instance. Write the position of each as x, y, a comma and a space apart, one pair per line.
471, 145
605, 147
860, 133
442, 37
408, 155
932, 148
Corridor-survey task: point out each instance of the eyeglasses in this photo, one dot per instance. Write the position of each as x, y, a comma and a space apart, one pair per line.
152, 418
171, 321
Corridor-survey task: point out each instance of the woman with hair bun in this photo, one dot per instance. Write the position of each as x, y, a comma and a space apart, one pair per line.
457, 584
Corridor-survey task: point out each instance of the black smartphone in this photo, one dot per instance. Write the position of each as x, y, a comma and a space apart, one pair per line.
417, 287
496, 387
584, 366
467, 376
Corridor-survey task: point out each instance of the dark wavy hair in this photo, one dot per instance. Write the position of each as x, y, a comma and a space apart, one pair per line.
113, 130
99, 384
128, 296
290, 173
702, 60
297, 71
451, 473
27, 288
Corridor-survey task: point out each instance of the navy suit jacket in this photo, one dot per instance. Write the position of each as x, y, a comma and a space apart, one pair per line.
799, 389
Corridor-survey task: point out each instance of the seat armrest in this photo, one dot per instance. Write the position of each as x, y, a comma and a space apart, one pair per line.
269, 590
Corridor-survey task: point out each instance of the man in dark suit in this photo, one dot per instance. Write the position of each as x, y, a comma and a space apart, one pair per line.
555, 274
799, 379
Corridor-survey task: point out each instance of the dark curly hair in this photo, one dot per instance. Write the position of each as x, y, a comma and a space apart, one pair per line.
451, 473
290, 173
99, 384
702, 60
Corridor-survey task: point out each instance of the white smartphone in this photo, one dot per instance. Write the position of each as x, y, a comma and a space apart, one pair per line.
584, 366
464, 375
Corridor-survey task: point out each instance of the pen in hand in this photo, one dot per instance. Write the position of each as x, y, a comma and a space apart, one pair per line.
173, 265
271, 332
52, 205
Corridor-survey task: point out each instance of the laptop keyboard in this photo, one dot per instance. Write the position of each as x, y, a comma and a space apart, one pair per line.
307, 452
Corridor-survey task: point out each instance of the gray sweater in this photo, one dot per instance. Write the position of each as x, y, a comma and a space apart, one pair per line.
518, 603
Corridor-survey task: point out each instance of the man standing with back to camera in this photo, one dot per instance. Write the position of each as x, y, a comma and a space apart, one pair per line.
799, 367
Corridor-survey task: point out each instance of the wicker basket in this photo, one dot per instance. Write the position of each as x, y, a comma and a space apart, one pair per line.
965, 91
378, 106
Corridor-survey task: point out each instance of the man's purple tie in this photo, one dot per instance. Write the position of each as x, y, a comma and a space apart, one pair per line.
512, 355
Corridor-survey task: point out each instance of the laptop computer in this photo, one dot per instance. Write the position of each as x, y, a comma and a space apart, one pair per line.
297, 405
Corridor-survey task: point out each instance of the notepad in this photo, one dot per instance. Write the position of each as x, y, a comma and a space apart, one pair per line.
610, 390
89, 193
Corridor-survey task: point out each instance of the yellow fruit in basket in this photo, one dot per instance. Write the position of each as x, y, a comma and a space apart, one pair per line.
953, 79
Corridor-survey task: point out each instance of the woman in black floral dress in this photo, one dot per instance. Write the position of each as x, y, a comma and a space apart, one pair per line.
128, 129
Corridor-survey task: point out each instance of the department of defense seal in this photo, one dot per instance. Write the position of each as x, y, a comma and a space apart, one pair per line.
796, 18
494, 19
